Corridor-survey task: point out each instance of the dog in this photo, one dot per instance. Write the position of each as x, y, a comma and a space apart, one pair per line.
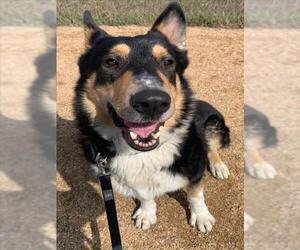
135, 108
259, 134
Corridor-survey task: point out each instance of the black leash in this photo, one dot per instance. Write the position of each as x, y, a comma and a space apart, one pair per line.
109, 202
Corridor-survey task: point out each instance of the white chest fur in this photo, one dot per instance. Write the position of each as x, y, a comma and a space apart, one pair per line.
139, 182
141, 175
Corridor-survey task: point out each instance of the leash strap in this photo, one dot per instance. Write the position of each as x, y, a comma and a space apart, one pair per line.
109, 202
111, 212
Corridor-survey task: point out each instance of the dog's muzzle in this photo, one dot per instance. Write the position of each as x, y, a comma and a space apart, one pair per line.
151, 103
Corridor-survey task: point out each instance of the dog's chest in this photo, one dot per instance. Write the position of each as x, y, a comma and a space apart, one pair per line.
145, 175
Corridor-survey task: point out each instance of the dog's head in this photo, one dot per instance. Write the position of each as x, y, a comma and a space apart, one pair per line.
135, 82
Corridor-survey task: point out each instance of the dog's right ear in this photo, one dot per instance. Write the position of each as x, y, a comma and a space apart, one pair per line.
91, 31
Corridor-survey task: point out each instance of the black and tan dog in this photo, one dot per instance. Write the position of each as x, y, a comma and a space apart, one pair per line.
259, 134
134, 106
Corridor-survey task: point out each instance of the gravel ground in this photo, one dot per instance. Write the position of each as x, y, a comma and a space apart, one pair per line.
272, 86
216, 75
27, 135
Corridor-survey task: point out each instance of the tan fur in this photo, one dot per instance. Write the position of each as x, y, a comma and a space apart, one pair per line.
95, 102
89, 105
213, 138
166, 29
253, 143
122, 89
169, 28
214, 157
176, 97
194, 190
159, 51
162, 28
90, 91
121, 50
255, 156
117, 93
214, 144
88, 32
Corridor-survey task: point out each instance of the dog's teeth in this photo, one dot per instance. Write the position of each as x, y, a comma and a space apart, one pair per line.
136, 142
141, 144
133, 135
150, 143
156, 135
153, 141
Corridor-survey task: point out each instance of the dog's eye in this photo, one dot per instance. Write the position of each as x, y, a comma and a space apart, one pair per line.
110, 62
168, 62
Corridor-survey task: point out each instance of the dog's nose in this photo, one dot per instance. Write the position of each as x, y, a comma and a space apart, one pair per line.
151, 102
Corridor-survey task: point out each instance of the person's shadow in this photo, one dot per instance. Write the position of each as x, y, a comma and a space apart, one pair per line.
28, 157
28, 152
79, 204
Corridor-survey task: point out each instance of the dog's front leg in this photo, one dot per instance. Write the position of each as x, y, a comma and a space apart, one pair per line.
200, 216
257, 167
145, 215
216, 165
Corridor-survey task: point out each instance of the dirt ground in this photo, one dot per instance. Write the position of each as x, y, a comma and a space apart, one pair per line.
27, 135
216, 74
272, 86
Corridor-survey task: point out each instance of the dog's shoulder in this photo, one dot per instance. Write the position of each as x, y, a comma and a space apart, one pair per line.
193, 154
204, 111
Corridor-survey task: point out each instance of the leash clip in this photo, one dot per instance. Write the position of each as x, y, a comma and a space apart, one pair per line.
109, 202
102, 164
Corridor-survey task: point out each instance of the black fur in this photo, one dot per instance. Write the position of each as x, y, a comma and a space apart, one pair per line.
257, 124
193, 159
90, 24
172, 8
92, 143
139, 59
209, 116
194, 149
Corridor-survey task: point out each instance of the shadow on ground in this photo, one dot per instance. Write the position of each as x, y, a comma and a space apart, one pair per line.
27, 174
78, 195
216, 75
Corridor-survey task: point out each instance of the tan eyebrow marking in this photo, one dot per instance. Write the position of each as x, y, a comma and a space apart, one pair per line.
159, 51
122, 50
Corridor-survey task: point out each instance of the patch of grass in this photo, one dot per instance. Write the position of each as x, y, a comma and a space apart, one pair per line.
208, 13
272, 14
25, 12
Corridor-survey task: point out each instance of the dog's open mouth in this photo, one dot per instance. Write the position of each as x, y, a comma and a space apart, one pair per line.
142, 136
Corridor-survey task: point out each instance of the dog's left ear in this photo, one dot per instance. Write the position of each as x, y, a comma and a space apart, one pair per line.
171, 23
91, 31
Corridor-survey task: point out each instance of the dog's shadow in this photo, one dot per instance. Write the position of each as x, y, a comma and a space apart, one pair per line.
181, 197
78, 203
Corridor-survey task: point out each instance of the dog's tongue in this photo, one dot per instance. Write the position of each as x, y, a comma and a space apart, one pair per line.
142, 129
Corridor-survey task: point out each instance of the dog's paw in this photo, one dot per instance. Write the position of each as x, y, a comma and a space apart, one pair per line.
248, 221
144, 218
261, 170
219, 170
203, 220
